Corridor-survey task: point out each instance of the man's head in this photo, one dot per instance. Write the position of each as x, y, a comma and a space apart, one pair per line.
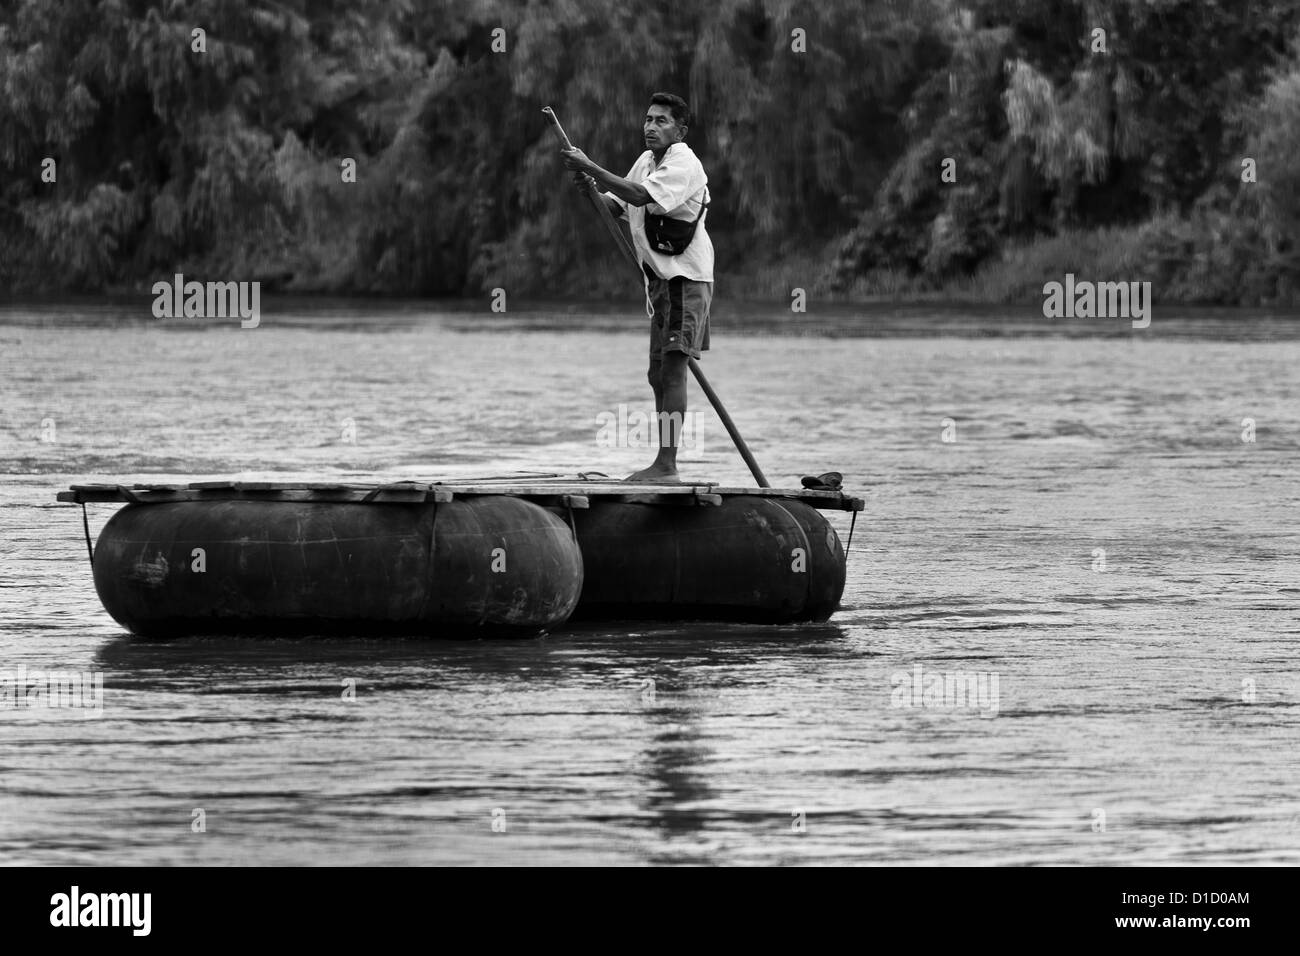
666, 121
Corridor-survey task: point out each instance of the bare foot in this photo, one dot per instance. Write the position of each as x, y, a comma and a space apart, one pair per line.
656, 474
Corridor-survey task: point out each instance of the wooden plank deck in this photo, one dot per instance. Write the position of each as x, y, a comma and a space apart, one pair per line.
573, 492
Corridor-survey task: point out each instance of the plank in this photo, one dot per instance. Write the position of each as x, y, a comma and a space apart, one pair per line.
565, 493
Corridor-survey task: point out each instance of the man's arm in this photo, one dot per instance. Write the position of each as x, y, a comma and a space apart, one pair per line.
624, 189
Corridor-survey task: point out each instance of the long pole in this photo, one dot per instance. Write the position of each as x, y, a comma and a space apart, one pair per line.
621, 240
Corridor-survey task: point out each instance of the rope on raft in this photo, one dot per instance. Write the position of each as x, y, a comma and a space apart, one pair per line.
85, 524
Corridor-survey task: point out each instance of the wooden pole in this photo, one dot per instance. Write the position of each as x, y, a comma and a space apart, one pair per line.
621, 240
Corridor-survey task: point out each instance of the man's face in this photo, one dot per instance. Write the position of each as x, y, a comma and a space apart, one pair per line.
660, 129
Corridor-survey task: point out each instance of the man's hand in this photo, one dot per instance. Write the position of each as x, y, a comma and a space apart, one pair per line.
576, 160
583, 181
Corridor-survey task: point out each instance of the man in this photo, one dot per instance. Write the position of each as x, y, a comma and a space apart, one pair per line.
667, 180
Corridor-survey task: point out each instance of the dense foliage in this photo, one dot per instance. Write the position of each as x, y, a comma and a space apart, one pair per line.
228, 161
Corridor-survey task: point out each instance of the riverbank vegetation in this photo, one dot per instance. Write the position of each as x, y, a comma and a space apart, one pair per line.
854, 147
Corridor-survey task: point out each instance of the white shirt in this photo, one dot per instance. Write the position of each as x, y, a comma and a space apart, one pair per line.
678, 187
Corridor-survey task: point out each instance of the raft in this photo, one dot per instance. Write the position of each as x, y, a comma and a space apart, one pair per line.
475, 558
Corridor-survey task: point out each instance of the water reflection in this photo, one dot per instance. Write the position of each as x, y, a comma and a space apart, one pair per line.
675, 790
581, 646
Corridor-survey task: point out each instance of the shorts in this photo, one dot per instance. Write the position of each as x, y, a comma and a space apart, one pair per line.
681, 315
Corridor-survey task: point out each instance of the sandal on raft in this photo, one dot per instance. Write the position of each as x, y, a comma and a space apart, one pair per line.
830, 481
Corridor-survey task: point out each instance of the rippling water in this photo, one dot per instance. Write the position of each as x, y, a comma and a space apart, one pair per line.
1098, 538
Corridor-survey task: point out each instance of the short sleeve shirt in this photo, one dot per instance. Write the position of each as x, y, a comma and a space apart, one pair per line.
678, 187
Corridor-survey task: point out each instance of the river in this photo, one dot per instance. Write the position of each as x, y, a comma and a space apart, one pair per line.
1101, 522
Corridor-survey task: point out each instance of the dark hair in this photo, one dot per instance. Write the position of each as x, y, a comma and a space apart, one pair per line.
676, 105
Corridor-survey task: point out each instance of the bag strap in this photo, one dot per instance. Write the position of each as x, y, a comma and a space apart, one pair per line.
703, 205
